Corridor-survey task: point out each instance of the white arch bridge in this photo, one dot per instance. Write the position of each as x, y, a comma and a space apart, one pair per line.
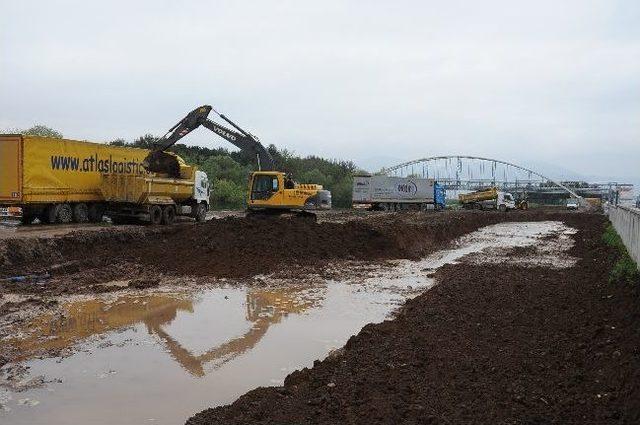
465, 172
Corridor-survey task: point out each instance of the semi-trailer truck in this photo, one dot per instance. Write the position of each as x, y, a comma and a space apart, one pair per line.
386, 193
63, 181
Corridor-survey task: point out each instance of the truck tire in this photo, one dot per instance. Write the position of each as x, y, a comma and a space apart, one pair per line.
502, 208
80, 213
168, 215
200, 213
49, 214
155, 214
95, 213
65, 214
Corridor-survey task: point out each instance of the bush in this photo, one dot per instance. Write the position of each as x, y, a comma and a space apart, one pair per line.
37, 130
226, 194
625, 270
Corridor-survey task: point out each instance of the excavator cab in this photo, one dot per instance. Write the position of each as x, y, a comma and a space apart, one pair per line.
263, 186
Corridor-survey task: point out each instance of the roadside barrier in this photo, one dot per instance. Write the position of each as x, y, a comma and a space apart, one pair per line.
626, 221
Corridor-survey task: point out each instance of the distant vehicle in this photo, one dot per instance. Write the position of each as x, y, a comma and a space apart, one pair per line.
491, 198
572, 204
385, 193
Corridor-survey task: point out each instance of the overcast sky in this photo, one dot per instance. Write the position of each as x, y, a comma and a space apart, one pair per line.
555, 82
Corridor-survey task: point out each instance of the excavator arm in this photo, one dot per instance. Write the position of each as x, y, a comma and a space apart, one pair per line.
161, 162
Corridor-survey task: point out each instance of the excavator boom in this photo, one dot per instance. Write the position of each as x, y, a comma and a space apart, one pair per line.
160, 162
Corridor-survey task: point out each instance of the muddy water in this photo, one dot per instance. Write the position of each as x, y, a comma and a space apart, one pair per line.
158, 358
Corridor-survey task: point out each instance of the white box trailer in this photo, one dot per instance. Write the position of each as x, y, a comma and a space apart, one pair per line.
388, 193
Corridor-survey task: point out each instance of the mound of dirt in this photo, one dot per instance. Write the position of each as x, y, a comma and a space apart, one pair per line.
235, 247
489, 344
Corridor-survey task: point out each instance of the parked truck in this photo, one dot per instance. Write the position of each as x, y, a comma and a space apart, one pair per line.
385, 193
63, 181
491, 198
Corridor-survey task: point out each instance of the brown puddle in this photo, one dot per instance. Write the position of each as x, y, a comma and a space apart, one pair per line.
160, 357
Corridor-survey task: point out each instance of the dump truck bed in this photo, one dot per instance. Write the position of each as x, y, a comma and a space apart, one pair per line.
145, 189
479, 196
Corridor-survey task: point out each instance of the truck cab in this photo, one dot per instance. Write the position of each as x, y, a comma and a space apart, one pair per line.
505, 201
276, 190
201, 188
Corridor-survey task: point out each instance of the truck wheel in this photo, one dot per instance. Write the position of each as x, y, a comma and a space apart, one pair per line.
65, 214
168, 215
80, 213
49, 214
155, 214
95, 213
201, 213
502, 208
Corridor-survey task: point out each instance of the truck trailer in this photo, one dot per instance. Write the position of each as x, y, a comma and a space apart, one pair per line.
385, 193
63, 181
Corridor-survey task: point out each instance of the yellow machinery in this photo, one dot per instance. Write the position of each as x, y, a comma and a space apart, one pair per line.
60, 180
276, 190
268, 190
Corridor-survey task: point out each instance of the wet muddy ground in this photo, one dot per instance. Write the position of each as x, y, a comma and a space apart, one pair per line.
92, 328
500, 342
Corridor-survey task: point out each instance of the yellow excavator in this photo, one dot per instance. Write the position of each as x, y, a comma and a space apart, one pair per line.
268, 190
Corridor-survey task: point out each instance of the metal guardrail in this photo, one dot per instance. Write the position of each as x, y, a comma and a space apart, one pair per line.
626, 221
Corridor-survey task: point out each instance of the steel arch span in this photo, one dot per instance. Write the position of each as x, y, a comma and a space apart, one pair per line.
407, 164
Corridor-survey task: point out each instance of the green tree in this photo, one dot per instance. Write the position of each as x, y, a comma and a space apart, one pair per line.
39, 130
227, 194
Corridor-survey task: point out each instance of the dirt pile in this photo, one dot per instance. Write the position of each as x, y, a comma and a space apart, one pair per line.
489, 344
236, 247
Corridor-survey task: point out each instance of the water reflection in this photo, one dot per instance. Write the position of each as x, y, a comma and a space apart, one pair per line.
263, 309
83, 319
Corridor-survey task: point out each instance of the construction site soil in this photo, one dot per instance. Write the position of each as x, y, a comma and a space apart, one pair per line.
490, 344
232, 247
505, 343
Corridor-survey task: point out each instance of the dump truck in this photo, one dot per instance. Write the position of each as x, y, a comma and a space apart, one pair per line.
491, 198
63, 181
269, 190
386, 193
